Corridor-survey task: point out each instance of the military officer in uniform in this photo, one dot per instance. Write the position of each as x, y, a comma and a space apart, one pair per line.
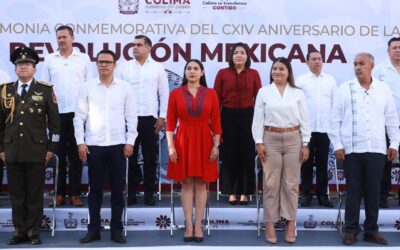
28, 110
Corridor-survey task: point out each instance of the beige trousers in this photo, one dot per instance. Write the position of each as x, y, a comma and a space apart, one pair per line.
281, 175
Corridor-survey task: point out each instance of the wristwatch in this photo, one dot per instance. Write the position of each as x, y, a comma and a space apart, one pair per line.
305, 144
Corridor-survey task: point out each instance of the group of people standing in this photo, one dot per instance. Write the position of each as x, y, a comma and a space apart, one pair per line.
102, 120
288, 123
292, 124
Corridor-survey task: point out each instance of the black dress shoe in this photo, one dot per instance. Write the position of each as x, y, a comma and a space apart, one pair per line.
35, 240
90, 237
383, 203
15, 240
244, 200
198, 239
132, 200
323, 200
244, 203
306, 200
349, 239
118, 237
187, 239
375, 238
149, 200
233, 200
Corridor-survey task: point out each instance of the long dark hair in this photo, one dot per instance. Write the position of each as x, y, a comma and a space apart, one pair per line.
246, 49
287, 64
203, 81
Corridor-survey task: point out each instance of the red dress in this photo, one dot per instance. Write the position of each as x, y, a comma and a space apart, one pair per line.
198, 120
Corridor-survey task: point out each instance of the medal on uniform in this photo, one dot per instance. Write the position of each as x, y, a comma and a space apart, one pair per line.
37, 98
39, 111
31, 110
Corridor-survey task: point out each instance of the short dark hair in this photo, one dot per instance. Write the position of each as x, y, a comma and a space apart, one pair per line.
65, 27
145, 38
246, 49
109, 52
203, 81
393, 39
287, 64
309, 54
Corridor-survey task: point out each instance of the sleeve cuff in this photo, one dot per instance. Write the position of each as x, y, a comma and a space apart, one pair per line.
394, 146
337, 146
131, 142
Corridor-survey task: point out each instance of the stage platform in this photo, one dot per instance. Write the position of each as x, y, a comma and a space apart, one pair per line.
219, 240
231, 226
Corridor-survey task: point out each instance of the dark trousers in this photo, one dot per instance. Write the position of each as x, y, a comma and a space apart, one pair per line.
386, 183
238, 151
67, 147
25, 185
147, 138
111, 161
319, 150
363, 173
1, 175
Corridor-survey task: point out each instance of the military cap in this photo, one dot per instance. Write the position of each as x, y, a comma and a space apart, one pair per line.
24, 54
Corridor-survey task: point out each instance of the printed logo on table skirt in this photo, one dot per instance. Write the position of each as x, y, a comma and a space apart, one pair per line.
397, 224
70, 222
281, 224
310, 223
7, 224
328, 224
45, 222
163, 222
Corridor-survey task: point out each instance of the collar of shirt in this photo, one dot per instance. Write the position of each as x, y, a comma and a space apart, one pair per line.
20, 83
114, 81
359, 87
241, 72
390, 66
312, 75
275, 87
28, 83
74, 53
148, 60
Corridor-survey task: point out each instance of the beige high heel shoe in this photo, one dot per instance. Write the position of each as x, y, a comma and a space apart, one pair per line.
270, 234
290, 232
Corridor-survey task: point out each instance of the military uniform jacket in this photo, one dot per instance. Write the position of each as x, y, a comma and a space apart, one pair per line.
29, 127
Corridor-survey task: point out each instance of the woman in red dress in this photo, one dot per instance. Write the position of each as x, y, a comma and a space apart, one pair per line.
193, 153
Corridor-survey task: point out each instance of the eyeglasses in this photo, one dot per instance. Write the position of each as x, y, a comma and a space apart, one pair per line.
106, 63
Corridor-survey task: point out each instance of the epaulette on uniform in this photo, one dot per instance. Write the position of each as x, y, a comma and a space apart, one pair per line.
6, 83
45, 83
